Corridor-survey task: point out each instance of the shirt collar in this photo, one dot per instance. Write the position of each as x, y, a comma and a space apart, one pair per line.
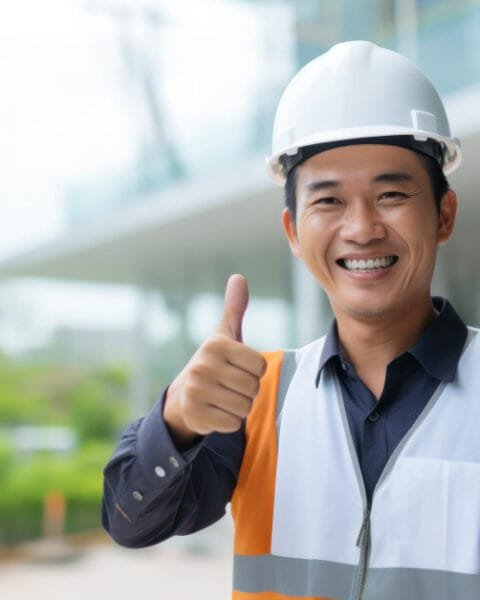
438, 349
440, 346
331, 346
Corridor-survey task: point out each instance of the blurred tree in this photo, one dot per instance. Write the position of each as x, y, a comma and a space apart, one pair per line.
93, 416
6, 457
94, 403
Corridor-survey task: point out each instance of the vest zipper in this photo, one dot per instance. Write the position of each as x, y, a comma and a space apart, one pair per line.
363, 542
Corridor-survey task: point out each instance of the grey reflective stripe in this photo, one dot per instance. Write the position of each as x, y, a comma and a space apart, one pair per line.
301, 577
292, 576
289, 366
328, 371
403, 442
421, 584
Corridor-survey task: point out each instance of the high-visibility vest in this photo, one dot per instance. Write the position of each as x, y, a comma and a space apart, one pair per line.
303, 529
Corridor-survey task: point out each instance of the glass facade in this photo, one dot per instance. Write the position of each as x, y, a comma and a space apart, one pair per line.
206, 91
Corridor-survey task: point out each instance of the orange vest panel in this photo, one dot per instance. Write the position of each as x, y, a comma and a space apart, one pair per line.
252, 502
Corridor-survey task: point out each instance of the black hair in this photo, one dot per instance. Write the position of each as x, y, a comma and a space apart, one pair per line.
439, 182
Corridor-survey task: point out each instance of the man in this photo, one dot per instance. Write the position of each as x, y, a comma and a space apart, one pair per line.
357, 474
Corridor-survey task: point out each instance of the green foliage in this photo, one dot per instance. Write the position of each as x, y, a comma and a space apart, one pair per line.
116, 375
78, 476
6, 458
95, 404
45, 394
94, 417
33, 393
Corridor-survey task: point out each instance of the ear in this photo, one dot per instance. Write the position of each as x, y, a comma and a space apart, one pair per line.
290, 230
446, 221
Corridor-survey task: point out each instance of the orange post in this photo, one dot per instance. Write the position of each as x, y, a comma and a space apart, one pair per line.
54, 508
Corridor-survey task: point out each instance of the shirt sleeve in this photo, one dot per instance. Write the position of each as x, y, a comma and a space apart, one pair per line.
152, 491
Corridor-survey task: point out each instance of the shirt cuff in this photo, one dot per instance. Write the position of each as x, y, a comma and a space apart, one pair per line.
158, 463
159, 458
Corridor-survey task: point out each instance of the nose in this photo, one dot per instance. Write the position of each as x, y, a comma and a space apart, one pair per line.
362, 224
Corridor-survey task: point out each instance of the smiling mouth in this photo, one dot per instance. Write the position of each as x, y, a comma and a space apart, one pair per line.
367, 265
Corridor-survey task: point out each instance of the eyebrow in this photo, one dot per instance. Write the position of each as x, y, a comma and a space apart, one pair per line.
316, 186
390, 177
393, 177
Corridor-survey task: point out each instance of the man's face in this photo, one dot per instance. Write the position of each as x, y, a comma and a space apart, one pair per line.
368, 229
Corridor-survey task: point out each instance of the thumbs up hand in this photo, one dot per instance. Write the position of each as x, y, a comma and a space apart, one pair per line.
214, 392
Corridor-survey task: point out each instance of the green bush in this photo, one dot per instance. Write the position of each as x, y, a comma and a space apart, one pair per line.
6, 458
93, 403
48, 394
77, 476
93, 416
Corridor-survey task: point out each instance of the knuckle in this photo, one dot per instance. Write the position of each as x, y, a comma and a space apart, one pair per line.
250, 386
189, 406
199, 372
261, 365
209, 346
198, 426
246, 407
255, 387
215, 345
190, 390
194, 395
229, 424
200, 419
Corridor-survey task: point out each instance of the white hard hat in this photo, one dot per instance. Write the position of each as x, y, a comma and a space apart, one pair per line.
358, 92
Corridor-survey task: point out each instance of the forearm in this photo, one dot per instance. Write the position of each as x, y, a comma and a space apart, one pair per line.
152, 491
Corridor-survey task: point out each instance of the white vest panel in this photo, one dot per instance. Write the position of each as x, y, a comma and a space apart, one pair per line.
426, 507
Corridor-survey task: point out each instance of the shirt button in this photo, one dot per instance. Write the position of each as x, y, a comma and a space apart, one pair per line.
174, 462
159, 471
136, 495
374, 416
344, 365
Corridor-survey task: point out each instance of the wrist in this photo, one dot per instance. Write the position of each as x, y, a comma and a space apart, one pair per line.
181, 434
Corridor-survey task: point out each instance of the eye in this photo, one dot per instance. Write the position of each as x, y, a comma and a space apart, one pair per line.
327, 201
392, 195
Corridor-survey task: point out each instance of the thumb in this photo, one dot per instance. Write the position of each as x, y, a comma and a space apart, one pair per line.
234, 307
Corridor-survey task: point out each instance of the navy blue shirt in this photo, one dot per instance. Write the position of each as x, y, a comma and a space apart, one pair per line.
152, 490
377, 426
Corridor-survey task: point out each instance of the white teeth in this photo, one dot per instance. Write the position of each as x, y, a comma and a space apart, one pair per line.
368, 265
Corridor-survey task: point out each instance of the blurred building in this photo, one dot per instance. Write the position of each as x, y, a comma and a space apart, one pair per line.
87, 347
195, 204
